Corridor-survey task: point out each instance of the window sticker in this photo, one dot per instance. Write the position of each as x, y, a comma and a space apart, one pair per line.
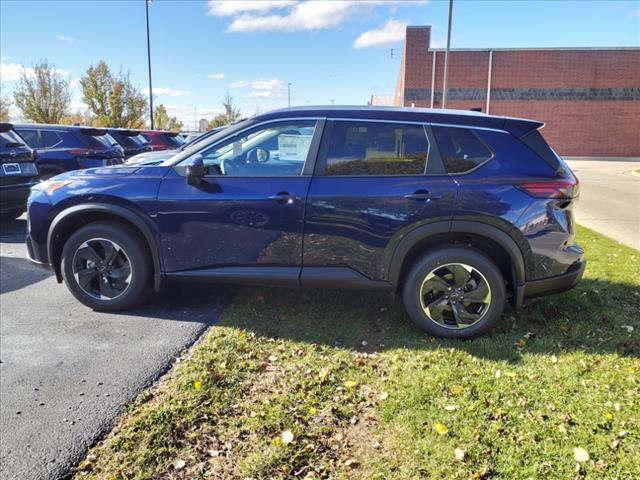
294, 147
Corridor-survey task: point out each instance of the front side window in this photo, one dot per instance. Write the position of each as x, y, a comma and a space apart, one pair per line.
273, 150
375, 148
460, 148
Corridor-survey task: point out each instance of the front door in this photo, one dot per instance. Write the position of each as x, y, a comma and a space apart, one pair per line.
372, 185
248, 210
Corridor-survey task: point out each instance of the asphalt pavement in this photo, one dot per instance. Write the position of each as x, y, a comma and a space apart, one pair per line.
66, 371
609, 198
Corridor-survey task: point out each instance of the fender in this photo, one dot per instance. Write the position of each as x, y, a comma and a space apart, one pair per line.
500, 237
114, 210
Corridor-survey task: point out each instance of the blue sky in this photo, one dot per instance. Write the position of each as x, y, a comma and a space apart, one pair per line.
328, 50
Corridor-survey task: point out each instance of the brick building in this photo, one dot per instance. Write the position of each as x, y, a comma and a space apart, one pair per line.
589, 98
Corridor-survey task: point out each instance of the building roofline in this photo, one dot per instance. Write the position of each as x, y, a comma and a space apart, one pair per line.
525, 49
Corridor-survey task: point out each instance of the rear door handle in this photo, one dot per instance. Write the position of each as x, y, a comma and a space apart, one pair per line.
422, 195
282, 197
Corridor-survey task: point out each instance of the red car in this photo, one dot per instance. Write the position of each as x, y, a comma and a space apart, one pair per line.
162, 140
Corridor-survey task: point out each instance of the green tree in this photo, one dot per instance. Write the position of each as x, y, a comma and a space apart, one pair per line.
43, 94
231, 113
113, 100
5, 104
80, 117
162, 120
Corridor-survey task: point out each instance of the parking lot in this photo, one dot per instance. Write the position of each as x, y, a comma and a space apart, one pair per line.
66, 370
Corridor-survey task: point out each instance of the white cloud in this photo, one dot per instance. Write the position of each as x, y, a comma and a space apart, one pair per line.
261, 88
392, 32
222, 8
282, 15
65, 38
11, 72
75, 83
216, 76
169, 92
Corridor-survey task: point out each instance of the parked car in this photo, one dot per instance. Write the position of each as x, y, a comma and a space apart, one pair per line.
61, 148
131, 141
459, 212
18, 173
162, 140
155, 158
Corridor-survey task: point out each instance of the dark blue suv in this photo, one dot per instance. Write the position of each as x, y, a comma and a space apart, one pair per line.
459, 212
61, 148
18, 173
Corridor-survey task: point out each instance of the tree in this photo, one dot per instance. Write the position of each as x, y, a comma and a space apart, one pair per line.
163, 121
80, 118
5, 104
43, 94
231, 113
113, 101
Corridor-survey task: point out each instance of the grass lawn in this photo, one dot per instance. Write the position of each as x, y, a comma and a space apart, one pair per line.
317, 384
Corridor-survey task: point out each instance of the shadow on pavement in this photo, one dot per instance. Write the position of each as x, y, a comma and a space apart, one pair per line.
17, 273
14, 231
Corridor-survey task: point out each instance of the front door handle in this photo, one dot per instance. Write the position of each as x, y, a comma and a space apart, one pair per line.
422, 195
282, 197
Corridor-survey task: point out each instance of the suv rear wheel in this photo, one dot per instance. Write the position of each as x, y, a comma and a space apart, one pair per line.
454, 292
106, 266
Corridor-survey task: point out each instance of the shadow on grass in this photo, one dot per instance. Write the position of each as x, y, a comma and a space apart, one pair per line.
594, 317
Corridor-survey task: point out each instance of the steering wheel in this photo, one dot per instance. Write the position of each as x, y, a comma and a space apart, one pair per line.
229, 167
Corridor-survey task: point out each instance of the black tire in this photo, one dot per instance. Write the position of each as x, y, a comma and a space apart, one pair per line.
437, 261
132, 252
11, 215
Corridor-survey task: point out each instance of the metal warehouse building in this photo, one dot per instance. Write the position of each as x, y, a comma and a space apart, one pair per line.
589, 98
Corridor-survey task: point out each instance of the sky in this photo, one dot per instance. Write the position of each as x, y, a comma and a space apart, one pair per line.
329, 51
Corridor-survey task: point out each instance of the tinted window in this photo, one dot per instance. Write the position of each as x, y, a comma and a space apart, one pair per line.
273, 150
49, 139
30, 137
372, 148
460, 148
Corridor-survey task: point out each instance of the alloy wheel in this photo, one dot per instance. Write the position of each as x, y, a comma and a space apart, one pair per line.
455, 296
102, 269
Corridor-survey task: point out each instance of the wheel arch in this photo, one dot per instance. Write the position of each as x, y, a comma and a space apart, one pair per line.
494, 242
72, 218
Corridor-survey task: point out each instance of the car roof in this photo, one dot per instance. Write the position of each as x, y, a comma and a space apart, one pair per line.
517, 126
48, 126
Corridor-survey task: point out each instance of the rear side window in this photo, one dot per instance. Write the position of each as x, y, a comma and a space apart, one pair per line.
49, 139
10, 139
375, 148
460, 148
30, 137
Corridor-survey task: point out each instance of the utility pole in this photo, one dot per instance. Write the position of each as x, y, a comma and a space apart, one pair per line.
445, 86
289, 94
146, 4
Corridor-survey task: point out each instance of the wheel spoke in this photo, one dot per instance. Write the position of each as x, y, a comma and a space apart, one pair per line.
85, 277
106, 289
436, 307
120, 273
478, 294
460, 275
461, 315
110, 252
436, 283
87, 252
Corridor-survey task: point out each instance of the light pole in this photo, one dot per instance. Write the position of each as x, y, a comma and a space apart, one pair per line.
146, 4
445, 86
289, 94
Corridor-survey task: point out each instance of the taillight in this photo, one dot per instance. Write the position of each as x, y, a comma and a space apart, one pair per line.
562, 188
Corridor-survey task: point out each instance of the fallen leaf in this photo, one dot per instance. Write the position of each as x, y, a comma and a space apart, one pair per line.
451, 408
459, 454
628, 328
313, 410
554, 359
178, 464
350, 384
384, 396
520, 342
497, 374
456, 389
441, 428
580, 454
287, 437
197, 384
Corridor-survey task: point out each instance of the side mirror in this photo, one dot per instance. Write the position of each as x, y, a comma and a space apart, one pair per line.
195, 170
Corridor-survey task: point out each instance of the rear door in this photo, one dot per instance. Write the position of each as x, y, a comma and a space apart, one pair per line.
374, 182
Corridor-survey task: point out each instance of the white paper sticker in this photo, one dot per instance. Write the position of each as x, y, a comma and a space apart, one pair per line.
294, 147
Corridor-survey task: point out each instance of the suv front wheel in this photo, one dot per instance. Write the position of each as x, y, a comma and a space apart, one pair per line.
454, 292
106, 266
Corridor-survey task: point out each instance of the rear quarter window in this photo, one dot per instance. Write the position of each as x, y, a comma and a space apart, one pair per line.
460, 148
